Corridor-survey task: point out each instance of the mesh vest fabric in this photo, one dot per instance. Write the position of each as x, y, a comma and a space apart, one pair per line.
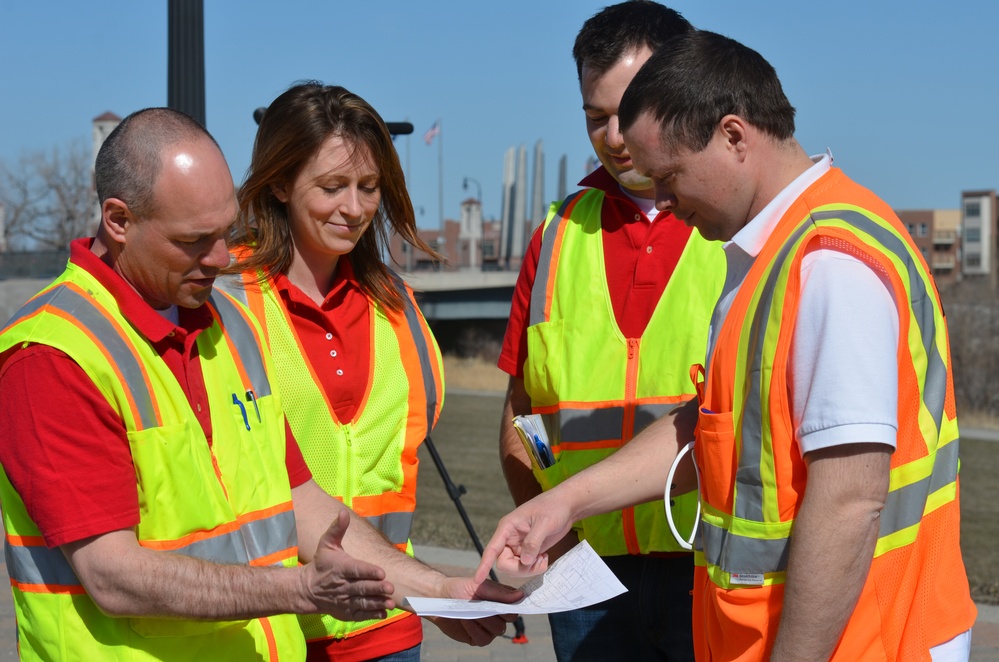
224, 503
370, 462
595, 388
753, 477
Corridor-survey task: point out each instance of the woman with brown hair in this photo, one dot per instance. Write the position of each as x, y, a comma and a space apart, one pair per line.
360, 372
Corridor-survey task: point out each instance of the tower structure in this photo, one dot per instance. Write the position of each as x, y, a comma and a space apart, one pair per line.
538, 186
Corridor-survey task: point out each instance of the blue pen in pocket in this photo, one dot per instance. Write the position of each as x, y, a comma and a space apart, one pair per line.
544, 453
242, 409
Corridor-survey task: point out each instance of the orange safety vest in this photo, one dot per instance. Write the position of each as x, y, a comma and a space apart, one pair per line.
753, 478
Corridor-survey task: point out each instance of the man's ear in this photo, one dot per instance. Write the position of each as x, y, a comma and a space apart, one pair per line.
734, 130
115, 219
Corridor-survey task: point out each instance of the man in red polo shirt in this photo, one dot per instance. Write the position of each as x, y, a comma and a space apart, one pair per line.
611, 292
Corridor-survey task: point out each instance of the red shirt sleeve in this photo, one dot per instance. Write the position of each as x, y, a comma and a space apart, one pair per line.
65, 452
514, 352
298, 470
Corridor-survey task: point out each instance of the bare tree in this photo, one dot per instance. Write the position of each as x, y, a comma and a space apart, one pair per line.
973, 321
21, 197
49, 197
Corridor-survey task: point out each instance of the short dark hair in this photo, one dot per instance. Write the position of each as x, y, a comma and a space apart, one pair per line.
129, 160
622, 28
698, 79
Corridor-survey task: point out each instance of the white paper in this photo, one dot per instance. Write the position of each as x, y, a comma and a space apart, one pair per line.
578, 579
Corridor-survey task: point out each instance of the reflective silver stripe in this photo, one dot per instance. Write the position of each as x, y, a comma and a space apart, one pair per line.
422, 350
270, 535
90, 317
580, 426
253, 540
743, 554
226, 548
905, 505
238, 329
32, 306
232, 284
646, 415
540, 288
37, 564
394, 526
576, 426
748, 480
903, 508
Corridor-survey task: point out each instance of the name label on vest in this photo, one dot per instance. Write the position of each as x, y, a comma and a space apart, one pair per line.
747, 579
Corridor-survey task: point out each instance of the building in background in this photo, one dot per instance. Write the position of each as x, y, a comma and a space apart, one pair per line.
979, 236
937, 234
539, 202
102, 126
459, 239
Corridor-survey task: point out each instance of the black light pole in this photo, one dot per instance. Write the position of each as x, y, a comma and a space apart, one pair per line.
186, 57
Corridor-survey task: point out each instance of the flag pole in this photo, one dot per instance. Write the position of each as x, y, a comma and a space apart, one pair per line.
440, 176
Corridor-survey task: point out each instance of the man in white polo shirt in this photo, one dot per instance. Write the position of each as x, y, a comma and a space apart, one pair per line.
826, 433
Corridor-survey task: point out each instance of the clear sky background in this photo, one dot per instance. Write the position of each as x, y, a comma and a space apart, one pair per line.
904, 92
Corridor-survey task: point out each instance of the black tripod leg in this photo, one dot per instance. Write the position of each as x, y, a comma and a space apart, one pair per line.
455, 492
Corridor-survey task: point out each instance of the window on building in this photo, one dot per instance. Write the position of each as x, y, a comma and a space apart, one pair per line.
488, 250
923, 230
925, 252
973, 235
911, 227
973, 260
973, 208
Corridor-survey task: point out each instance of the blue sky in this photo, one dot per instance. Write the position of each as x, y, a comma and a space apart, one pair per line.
903, 92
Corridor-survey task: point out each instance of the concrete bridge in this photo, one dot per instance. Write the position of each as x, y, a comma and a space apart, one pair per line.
463, 295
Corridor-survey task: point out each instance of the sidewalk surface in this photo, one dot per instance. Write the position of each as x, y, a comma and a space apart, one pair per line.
438, 648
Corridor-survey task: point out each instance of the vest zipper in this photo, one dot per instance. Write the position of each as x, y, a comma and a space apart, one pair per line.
348, 464
627, 432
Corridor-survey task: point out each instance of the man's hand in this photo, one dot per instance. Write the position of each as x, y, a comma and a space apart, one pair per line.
521, 538
480, 631
342, 586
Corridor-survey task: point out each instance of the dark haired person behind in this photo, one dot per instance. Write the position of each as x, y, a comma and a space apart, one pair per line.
825, 425
359, 368
631, 290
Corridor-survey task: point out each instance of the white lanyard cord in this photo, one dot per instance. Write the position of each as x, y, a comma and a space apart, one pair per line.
688, 543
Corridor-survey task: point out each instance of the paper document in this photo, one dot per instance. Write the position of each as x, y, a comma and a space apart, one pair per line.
578, 579
532, 433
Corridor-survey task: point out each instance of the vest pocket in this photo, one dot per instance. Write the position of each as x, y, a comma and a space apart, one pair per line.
716, 456
551, 476
543, 368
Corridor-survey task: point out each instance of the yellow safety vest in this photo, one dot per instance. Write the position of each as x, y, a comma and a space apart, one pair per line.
370, 462
226, 503
596, 388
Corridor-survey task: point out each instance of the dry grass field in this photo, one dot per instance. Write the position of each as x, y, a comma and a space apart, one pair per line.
466, 439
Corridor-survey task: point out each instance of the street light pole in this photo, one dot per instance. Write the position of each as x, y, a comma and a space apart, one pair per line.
472, 248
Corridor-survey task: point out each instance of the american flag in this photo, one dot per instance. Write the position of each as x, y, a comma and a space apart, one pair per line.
432, 133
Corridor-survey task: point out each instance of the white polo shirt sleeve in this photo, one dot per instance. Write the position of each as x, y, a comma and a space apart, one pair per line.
844, 366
